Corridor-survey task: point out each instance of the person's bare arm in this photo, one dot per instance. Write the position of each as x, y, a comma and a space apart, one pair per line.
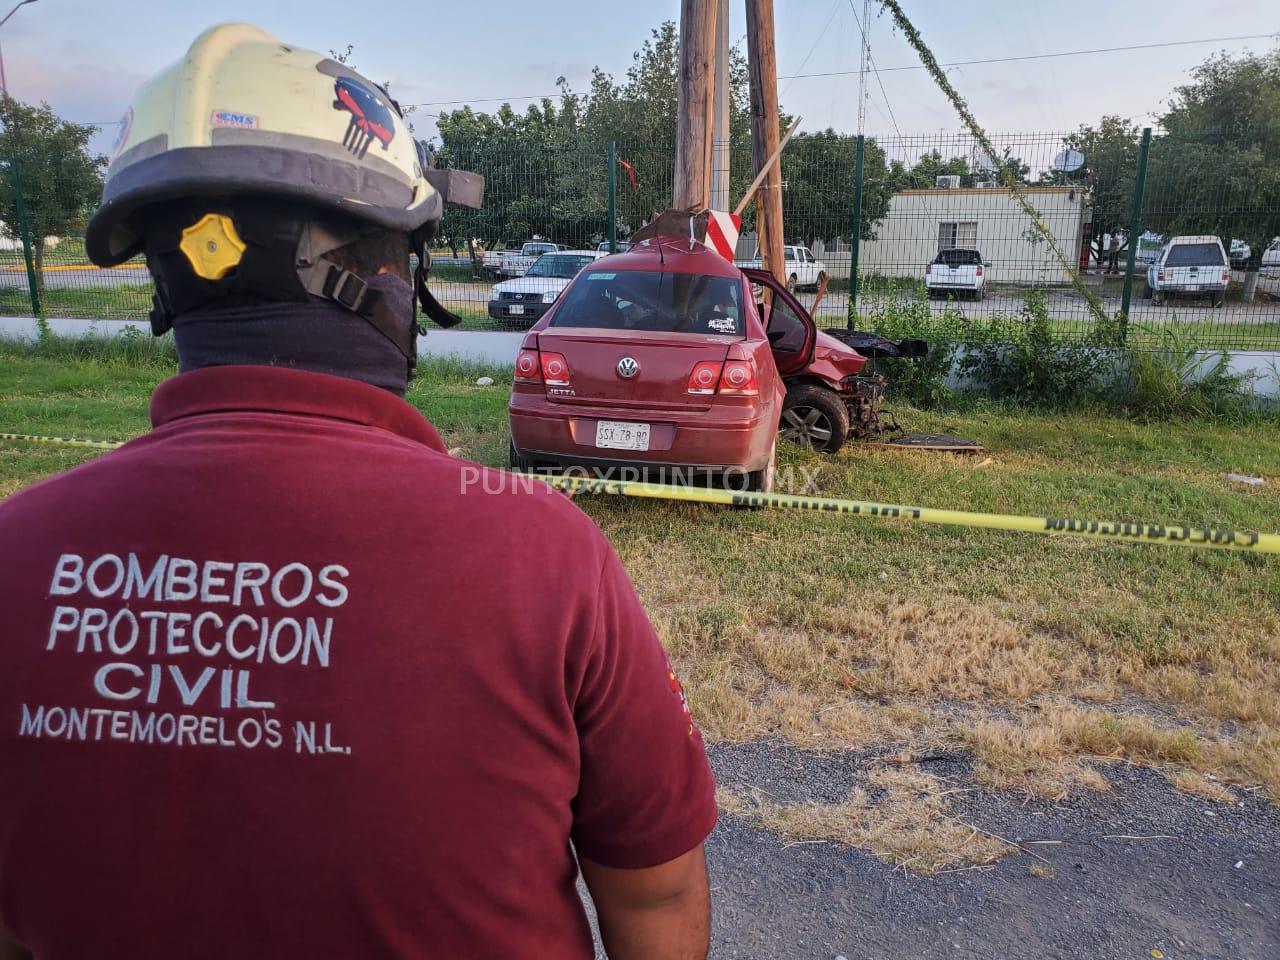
654, 913
10, 950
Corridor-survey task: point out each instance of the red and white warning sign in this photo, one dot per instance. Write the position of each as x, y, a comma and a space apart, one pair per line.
722, 232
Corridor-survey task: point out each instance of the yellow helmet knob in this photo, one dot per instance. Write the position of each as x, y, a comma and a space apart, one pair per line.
212, 246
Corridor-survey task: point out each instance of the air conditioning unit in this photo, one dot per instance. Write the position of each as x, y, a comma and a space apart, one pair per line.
987, 184
951, 182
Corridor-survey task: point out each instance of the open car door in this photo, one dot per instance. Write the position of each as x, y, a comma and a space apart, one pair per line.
790, 329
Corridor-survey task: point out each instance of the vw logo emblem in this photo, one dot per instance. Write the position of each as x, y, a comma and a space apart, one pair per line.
628, 368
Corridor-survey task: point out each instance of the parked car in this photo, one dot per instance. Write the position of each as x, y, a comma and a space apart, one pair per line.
492, 262
803, 269
956, 270
1271, 256
661, 358
517, 264
1238, 253
525, 299
621, 246
1195, 266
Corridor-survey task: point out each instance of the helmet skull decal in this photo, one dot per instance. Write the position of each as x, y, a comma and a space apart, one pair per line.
371, 119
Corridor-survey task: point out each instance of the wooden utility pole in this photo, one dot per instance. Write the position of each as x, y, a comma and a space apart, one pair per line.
694, 104
763, 69
720, 129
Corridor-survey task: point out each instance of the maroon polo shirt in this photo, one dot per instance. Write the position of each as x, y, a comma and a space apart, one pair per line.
283, 679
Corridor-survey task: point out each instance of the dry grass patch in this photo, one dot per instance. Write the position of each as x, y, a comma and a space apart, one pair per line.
1199, 784
902, 817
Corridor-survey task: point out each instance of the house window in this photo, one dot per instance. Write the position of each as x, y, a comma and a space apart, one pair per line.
963, 234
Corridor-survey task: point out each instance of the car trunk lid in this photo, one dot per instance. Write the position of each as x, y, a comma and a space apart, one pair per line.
663, 363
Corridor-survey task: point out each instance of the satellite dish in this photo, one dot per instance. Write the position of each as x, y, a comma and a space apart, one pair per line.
1068, 161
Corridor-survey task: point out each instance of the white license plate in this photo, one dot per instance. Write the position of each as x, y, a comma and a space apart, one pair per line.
515, 311
1193, 287
622, 436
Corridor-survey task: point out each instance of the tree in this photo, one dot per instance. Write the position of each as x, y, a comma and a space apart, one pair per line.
61, 182
817, 196
1110, 169
1217, 168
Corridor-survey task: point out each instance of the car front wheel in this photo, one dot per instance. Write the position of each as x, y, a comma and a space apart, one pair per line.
814, 417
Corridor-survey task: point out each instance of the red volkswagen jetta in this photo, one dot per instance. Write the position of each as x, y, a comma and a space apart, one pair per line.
657, 358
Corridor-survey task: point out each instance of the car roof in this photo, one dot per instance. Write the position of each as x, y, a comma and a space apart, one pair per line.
669, 255
570, 253
1204, 238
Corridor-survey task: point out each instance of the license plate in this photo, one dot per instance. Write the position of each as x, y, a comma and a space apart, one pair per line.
622, 436
515, 311
1193, 287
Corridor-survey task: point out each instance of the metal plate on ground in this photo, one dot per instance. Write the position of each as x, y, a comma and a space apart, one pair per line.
933, 441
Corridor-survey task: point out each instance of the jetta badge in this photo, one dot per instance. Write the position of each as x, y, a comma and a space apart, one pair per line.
628, 368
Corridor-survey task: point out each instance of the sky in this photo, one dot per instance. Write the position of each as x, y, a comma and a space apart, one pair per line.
86, 57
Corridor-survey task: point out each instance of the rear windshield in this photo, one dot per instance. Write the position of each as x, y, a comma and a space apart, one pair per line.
558, 265
959, 258
654, 301
532, 248
1194, 255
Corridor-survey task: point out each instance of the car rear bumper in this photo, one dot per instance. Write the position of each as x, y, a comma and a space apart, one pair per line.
717, 439
1190, 288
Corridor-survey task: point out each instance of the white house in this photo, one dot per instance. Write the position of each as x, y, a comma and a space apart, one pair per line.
988, 219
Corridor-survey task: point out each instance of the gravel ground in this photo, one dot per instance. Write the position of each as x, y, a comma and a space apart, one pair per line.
1109, 898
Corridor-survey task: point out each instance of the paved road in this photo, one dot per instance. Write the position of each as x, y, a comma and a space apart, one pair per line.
1183, 895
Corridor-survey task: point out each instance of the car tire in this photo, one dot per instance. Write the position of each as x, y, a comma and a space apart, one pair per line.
980, 294
515, 460
791, 284
814, 417
761, 481
1146, 290
1218, 299
1157, 298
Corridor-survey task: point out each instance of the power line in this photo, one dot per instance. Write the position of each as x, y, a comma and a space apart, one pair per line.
845, 73
1046, 56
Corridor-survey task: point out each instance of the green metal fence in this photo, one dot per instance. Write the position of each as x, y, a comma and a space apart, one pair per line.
1110, 201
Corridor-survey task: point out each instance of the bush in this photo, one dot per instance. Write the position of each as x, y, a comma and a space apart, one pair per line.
1174, 379
1018, 359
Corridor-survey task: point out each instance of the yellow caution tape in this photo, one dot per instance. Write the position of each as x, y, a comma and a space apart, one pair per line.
1113, 530
67, 441
1099, 530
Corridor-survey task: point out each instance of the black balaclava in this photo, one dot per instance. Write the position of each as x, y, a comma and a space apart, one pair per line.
319, 336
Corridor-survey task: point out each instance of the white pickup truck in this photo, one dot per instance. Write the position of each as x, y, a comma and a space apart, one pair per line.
802, 269
518, 264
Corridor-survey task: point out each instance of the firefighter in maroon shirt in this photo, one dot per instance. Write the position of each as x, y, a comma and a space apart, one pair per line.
282, 678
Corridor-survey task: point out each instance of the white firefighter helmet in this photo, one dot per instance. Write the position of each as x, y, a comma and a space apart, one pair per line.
243, 114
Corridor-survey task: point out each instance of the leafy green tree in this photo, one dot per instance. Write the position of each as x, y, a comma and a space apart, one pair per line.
1216, 170
817, 196
61, 181
1110, 169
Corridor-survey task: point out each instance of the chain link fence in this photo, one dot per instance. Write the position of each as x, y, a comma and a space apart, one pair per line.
941, 237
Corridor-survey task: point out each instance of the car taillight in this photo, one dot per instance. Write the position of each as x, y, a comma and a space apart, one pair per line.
739, 378
1226, 276
704, 378
555, 369
1160, 275
979, 271
528, 369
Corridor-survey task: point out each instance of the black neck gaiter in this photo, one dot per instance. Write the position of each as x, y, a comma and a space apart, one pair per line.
318, 336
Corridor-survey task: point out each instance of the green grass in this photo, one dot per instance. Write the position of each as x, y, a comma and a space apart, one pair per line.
842, 631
